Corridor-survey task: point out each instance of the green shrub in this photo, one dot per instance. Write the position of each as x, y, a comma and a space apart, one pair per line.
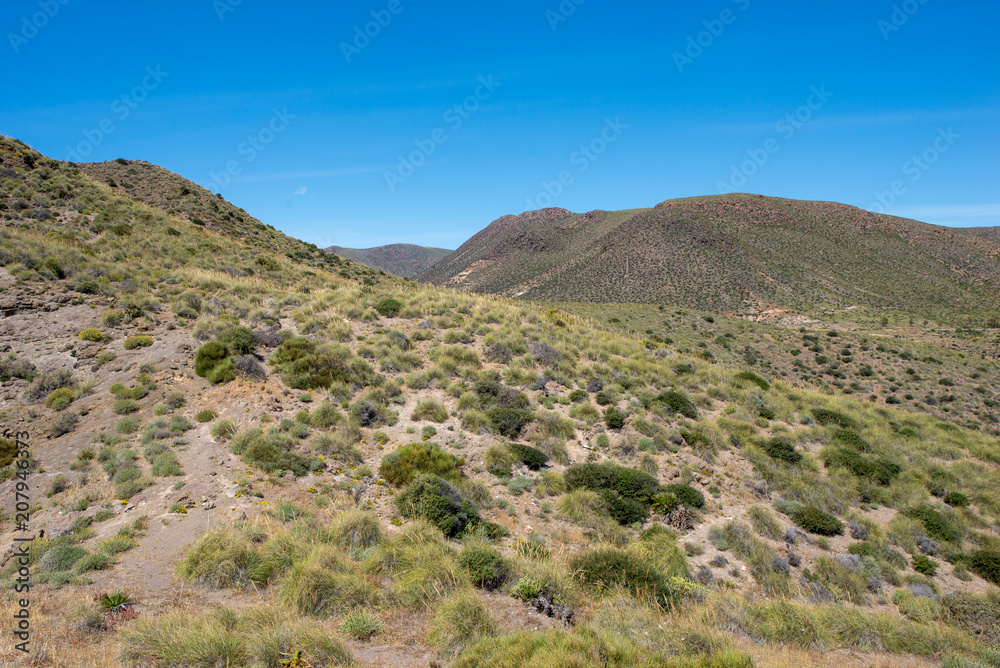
487, 568
325, 416
127, 425
614, 418
138, 341
531, 457
956, 499
830, 417
851, 439
208, 357
306, 365
751, 377
60, 399
924, 565
779, 448
937, 525
404, 464
816, 521
432, 498
878, 470
622, 510
629, 483
223, 372
167, 465
360, 625
91, 334
986, 564
388, 307
686, 494
125, 407
206, 415
238, 340
508, 422
224, 428
130, 488
60, 558
678, 403
271, 451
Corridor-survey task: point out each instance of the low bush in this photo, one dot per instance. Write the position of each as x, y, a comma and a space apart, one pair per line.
986, 564
432, 498
751, 377
428, 409
387, 307
459, 621
206, 415
60, 399
779, 448
91, 334
125, 407
614, 418
816, 521
486, 566
531, 457
305, 365
605, 570
508, 422
404, 464
686, 494
629, 483
678, 403
828, 417
138, 341
937, 525
208, 357
956, 500
924, 565
272, 451
326, 582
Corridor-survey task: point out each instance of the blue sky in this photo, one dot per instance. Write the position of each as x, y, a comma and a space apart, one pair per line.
448, 115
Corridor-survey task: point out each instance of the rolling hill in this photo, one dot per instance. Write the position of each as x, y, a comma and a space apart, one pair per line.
236, 451
407, 260
729, 253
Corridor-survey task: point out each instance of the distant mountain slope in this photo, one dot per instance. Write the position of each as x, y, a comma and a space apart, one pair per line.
982, 232
398, 259
729, 253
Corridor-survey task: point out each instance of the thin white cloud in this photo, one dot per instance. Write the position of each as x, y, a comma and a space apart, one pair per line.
301, 190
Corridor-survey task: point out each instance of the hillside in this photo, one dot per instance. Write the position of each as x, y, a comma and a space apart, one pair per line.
730, 253
992, 233
406, 260
236, 457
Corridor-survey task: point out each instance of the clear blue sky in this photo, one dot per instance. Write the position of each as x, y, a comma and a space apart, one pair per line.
330, 122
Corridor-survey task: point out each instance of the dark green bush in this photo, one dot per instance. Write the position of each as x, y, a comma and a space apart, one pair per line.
223, 372
434, 499
924, 565
878, 470
751, 377
622, 510
829, 417
404, 464
614, 418
851, 439
578, 395
956, 499
508, 422
388, 307
986, 564
629, 483
531, 457
487, 568
937, 525
686, 494
779, 448
271, 451
678, 403
816, 521
978, 615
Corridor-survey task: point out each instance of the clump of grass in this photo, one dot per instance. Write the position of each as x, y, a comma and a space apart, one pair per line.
487, 568
428, 409
404, 464
206, 415
138, 341
356, 529
360, 625
326, 582
459, 621
816, 521
224, 428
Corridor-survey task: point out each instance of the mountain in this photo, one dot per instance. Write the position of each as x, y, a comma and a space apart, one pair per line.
405, 260
992, 233
234, 450
727, 253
